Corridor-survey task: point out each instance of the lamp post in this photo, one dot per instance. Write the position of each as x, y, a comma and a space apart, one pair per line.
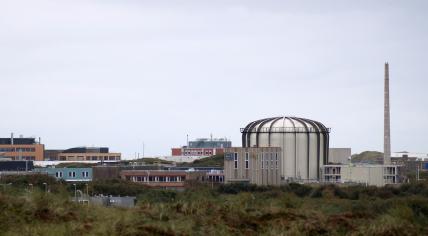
75, 192
46, 187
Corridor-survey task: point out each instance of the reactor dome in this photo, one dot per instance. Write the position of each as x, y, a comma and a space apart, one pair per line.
304, 144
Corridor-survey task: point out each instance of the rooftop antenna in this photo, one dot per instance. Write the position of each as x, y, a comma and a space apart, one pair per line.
187, 140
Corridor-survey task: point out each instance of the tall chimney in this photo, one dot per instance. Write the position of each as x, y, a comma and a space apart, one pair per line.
386, 121
11, 138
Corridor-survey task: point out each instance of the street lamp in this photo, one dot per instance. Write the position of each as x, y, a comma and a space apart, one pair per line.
75, 192
46, 187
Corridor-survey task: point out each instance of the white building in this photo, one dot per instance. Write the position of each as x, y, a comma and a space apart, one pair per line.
373, 175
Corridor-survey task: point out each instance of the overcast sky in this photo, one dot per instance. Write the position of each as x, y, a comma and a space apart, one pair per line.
120, 73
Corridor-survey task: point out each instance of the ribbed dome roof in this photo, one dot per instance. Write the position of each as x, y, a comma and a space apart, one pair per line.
285, 124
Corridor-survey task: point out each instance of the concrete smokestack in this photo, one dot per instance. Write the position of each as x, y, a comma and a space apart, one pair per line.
386, 121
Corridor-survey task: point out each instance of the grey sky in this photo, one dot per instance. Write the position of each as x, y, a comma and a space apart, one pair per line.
117, 73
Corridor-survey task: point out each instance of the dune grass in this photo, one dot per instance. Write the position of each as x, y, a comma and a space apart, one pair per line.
227, 210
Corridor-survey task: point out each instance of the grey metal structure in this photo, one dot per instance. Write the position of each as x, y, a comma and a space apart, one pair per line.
386, 122
304, 144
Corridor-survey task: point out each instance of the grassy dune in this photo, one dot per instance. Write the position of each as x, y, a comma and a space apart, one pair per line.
227, 210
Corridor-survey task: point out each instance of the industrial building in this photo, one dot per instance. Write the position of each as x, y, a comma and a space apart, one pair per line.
374, 175
304, 144
377, 175
261, 166
21, 149
83, 154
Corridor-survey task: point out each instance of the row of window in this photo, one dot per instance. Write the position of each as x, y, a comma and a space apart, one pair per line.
91, 158
23, 158
264, 159
157, 178
17, 149
72, 174
198, 153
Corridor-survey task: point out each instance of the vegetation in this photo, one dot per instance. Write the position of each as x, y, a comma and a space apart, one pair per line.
370, 157
235, 209
149, 161
212, 161
75, 165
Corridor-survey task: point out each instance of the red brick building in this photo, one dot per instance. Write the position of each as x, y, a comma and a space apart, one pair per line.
202, 147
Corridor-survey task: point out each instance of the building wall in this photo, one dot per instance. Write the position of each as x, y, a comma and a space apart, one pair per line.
68, 174
374, 175
339, 155
162, 178
29, 152
261, 166
106, 172
176, 152
89, 157
196, 151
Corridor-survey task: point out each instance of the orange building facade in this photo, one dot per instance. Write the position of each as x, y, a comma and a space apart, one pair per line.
21, 149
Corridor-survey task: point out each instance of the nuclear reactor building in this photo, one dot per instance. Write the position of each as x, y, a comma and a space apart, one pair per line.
304, 144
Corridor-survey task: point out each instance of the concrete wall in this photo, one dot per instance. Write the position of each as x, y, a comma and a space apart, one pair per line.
339, 155
373, 175
264, 165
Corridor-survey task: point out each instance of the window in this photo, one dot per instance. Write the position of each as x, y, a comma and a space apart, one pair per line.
85, 174
276, 160
271, 160
58, 174
263, 160
247, 160
73, 174
267, 161
69, 174
236, 160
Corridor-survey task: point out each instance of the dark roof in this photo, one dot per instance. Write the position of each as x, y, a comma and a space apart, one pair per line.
8, 141
86, 150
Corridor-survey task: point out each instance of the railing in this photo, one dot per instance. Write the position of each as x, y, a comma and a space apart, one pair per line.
286, 130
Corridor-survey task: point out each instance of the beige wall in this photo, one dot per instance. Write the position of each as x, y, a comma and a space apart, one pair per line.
89, 156
339, 155
266, 173
373, 175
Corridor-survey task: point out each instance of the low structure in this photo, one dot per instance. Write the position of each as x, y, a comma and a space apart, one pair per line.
111, 201
168, 179
20, 149
261, 166
374, 175
16, 166
202, 147
107, 201
68, 174
83, 154
214, 176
